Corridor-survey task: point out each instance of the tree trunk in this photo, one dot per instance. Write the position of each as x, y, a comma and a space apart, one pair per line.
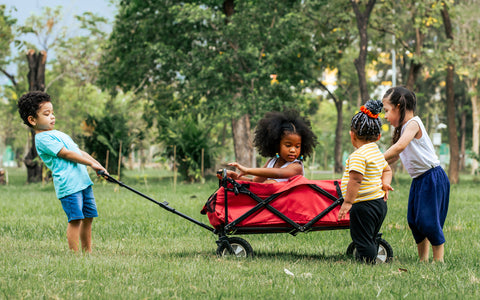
338, 138
361, 61
36, 70
36, 82
414, 66
453, 169
413, 75
472, 90
242, 141
463, 130
242, 137
338, 167
32, 161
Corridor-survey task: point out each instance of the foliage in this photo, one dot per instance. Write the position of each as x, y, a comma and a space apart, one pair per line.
190, 53
189, 58
466, 43
47, 29
77, 57
107, 134
413, 29
6, 35
185, 138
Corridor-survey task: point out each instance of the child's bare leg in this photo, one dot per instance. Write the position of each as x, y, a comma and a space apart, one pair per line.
438, 252
86, 234
423, 250
73, 234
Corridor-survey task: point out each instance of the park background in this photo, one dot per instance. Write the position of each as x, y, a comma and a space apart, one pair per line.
167, 92
158, 84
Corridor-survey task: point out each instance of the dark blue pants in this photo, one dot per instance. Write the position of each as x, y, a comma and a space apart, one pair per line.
366, 218
428, 206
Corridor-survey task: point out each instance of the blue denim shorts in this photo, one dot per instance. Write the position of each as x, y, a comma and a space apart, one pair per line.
80, 205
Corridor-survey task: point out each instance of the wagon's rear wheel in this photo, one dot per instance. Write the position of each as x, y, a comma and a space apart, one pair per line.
385, 251
240, 248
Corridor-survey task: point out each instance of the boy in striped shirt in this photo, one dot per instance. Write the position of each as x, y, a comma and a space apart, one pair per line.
366, 182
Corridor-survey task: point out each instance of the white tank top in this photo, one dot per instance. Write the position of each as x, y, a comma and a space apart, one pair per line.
419, 155
272, 162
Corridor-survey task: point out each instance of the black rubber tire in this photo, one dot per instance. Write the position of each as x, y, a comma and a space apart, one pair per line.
241, 248
385, 251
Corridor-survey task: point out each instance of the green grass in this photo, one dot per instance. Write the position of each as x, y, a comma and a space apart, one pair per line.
144, 252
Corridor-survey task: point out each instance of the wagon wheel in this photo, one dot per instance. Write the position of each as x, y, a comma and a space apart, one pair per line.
240, 247
385, 251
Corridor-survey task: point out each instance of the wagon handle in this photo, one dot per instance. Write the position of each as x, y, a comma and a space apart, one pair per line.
108, 177
163, 204
226, 179
223, 173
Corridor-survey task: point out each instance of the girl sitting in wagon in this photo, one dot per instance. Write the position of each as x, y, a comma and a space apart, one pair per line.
287, 138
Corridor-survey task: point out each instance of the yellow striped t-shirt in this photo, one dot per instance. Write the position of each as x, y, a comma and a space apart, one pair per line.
370, 162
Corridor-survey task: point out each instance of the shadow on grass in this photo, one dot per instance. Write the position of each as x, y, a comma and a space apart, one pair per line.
287, 256
292, 255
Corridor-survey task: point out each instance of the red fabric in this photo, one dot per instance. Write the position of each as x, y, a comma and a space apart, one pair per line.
298, 201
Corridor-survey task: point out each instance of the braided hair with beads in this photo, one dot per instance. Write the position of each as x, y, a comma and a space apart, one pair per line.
365, 124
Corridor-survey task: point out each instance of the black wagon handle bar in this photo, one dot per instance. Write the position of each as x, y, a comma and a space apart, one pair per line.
163, 205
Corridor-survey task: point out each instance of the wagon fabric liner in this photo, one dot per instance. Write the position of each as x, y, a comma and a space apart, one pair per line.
298, 205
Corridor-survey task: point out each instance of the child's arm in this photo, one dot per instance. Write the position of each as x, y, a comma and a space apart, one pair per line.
236, 176
83, 158
353, 186
410, 132
386, 181
90, 157
392, 159
261, 174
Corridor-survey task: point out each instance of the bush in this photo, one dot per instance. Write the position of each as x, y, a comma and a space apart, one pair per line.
105, 135
187, 136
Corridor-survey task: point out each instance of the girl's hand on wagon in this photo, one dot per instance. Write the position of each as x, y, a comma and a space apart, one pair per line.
230, 174
344, 210
243, 170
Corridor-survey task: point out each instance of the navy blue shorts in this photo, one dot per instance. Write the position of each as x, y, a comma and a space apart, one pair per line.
428, 206
80, 205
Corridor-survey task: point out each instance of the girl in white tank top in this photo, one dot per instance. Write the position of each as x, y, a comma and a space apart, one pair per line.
430, 190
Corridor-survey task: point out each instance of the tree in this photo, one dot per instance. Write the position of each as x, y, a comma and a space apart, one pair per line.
412, 24
242, 139
36, 82
454, 166
466, 47
425, 50
73, 73
331, 23
43, 28
7, 32
196, 57
362, 17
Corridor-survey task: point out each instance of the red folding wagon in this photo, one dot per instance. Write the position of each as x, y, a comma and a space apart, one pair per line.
298, 205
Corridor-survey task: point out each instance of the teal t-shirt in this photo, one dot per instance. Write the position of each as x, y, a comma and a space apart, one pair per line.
68, 177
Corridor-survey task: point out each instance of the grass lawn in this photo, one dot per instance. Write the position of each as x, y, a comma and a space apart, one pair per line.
144, 252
